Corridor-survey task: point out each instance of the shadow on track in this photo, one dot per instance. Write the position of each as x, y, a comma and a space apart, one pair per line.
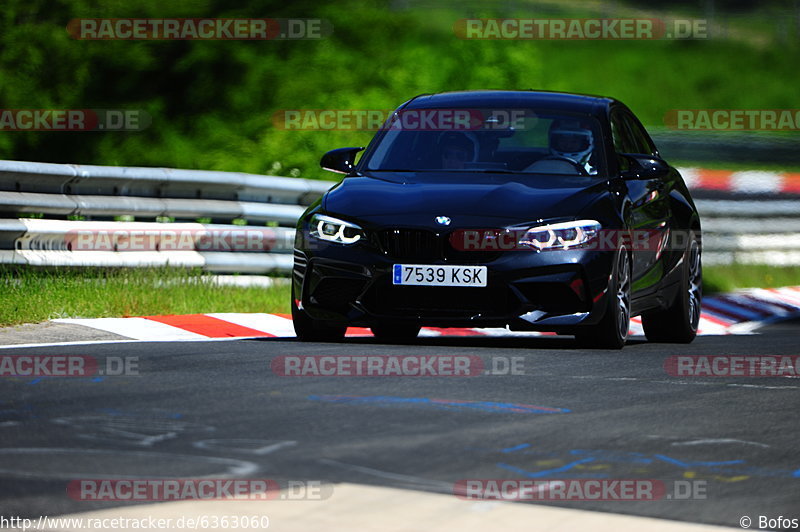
491, 342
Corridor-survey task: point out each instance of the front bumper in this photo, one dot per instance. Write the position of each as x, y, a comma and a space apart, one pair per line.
526, 290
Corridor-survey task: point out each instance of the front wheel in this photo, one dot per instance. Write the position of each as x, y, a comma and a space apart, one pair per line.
310, 330
612, 331
678, 323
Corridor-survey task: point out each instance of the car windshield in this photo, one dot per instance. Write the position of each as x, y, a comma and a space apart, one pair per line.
482, 140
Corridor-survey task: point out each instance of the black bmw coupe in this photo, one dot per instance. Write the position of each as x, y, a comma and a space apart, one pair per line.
520, 209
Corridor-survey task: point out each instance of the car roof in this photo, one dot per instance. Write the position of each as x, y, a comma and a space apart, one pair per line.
565, 101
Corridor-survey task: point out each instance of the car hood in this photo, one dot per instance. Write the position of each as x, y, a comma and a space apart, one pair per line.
418, 198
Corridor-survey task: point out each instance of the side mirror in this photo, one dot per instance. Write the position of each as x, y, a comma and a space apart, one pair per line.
340, 160
643, 167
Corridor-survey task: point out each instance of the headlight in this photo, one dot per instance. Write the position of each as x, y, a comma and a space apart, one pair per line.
563, 235
335, 230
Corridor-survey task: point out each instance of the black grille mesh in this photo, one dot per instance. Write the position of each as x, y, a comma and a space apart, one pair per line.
421, 245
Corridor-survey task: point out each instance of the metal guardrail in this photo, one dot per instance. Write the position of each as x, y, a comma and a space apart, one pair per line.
72, 179
89, 198
735, 229
725, 146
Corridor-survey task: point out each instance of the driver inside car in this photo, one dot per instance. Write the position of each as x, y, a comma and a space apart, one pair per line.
570, 140
456, 149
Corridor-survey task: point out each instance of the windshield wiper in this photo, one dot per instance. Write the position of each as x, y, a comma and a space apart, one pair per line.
495, 171
455, 170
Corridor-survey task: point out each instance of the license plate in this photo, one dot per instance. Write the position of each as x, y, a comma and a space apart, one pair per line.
427, 275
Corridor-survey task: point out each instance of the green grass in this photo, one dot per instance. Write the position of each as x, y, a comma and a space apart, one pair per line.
726, 278
32, 295
35, 295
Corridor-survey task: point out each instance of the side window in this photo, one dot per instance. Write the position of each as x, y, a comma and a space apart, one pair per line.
622, 140
640, 139
620, 135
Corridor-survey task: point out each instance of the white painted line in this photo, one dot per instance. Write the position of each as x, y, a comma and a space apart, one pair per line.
790, 297
706, 441
707, 327
136, 328
756, 182
61, 344
500, 331
97, 342
428, 333
233, 468
727, 384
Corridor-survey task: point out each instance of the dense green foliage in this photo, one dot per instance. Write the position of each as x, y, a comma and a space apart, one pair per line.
212, 102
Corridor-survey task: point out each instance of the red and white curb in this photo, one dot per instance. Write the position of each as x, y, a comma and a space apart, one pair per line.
735, 313
744, 182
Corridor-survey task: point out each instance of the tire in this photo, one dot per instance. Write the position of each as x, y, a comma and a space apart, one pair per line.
311, 330
678, 323
612, 331
395, 331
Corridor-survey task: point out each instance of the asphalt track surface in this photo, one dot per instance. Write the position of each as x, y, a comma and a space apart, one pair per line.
214, 408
